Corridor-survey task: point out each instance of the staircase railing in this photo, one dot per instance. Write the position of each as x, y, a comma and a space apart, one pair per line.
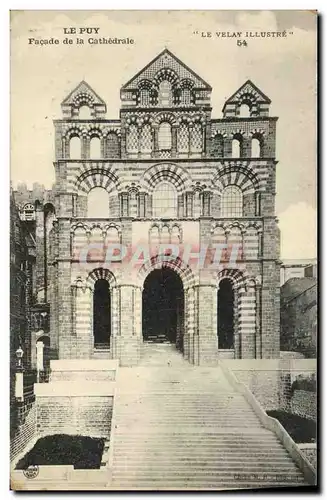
273, 425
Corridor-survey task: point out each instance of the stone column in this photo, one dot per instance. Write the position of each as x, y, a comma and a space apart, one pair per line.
82, 338
207, 296
130, 318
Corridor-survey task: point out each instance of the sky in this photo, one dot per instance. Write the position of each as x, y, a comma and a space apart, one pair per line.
283, 68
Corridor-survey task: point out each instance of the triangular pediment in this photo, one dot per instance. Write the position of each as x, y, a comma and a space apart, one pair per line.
83, 89
248, 88
166, 60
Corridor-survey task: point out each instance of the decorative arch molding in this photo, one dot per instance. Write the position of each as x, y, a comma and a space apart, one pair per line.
169, 172
145, 84
221, 133
158, 262
100, 273
75, 131
165, 74
237, 277
186, 83
83, 99
96, 177
237, 133
236, 173
257, 132
111, 130
165, 117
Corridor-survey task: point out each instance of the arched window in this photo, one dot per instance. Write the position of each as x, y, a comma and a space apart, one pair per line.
75, 149
28, 212
98, 203
101, 314
245, 110
164, 136
237, 147
95, 148
196, 204
232, 202
225, 315
165, 93
185, 97
165, 200
255, 147
84, 112
144, 97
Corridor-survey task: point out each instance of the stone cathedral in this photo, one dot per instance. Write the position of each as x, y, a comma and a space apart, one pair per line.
164, 173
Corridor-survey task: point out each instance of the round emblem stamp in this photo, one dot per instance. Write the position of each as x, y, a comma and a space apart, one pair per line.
31, 472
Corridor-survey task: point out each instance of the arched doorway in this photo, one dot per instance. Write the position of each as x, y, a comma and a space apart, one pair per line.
225, 315
163, 307
101, 314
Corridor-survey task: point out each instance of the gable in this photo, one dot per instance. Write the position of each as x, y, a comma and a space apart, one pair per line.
83, 91
248, 88
166, 60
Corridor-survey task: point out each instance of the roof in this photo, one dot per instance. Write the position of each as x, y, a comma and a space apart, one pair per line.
248, 88
163, 60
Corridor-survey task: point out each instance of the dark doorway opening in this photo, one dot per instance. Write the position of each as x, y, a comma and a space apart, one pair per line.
225, 311
163, 307
101, 314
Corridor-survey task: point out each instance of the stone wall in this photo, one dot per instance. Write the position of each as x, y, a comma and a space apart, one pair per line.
26, 429
304, 404
270, 380
88, 416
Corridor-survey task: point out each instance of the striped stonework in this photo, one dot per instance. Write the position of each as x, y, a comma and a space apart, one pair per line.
165, 134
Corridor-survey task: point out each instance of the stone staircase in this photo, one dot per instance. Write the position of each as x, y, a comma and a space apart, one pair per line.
178, 426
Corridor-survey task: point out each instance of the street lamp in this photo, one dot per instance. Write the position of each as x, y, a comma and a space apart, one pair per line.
19, 379
19, 355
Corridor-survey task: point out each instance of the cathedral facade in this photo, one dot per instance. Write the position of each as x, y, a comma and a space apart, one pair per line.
164, 226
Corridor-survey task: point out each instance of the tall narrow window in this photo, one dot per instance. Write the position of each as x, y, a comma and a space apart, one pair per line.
165, 200
164, 136
185, 97
165, 94
255, 147
232, 202
225, 316
237, 147
95, 148
101, 314
75, 149
144, 97
98, 203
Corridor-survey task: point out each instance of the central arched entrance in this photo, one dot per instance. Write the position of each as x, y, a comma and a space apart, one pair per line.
163, 307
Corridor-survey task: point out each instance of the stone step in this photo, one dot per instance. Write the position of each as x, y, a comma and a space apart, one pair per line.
223, 468
204, 453
145, 484
184, 474
251, 461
